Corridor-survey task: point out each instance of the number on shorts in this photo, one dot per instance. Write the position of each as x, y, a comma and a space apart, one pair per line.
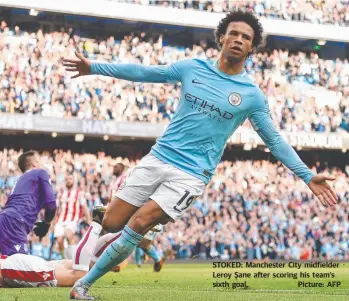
181, 205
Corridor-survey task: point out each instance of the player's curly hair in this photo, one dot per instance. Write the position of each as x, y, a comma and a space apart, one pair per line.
239, 15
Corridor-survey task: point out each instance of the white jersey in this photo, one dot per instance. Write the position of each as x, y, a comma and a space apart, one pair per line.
69, 204
116, 184
21, 270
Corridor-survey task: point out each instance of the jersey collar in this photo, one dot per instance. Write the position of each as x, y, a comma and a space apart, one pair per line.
215, 64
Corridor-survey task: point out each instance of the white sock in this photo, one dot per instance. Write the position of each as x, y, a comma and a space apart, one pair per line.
103, 242
84, 249
68, 252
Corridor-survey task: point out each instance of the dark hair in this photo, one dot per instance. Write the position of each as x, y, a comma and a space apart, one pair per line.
24, 160
122, 165
239, 15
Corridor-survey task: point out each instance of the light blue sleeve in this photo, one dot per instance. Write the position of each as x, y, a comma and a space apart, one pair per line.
262, 123
140, 73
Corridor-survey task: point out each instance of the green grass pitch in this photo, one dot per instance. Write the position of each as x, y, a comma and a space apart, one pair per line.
194, 282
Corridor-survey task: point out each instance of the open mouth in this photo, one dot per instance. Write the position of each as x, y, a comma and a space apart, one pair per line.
236, 48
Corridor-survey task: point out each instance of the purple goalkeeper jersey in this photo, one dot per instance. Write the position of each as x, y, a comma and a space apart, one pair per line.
31, 193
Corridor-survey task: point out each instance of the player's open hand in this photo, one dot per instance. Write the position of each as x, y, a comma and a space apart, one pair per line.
322, 190
82, 65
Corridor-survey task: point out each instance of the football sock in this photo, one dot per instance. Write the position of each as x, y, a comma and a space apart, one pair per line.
139, 256
69, 251
84, 250
152, 253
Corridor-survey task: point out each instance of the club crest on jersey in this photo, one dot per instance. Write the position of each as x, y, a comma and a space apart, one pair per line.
234, 99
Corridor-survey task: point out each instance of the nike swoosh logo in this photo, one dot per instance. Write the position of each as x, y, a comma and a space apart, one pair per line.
194, 81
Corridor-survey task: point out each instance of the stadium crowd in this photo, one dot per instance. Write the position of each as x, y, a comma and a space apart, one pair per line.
315, 11
33, 81
250, 209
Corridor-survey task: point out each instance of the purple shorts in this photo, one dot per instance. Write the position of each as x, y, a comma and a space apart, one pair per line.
13, 236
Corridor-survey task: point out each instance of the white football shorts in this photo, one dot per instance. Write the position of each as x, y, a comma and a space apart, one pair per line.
171, 188
61, 228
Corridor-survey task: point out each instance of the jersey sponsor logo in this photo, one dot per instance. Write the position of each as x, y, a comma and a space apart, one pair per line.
206, 108
235, 99
45, 276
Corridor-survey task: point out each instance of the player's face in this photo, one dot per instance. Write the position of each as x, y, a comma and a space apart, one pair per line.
117, 170
237, 41
69, 181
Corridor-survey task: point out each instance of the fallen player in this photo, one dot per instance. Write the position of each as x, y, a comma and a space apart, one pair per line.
22, 270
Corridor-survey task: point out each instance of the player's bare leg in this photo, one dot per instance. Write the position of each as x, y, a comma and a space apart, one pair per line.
148, 217
140, 223
60, 241
117, 215
66, 276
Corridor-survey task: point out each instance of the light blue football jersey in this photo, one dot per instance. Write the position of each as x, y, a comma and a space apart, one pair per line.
212, 106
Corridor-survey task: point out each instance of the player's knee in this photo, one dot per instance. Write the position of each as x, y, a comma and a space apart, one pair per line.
70, 236
143, 223
108, 225
165, 220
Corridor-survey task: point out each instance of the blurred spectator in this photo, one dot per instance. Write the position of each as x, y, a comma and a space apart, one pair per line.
33, 81
320, 12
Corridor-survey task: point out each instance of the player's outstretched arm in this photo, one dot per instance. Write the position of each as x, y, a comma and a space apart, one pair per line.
284, 152
131, 72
